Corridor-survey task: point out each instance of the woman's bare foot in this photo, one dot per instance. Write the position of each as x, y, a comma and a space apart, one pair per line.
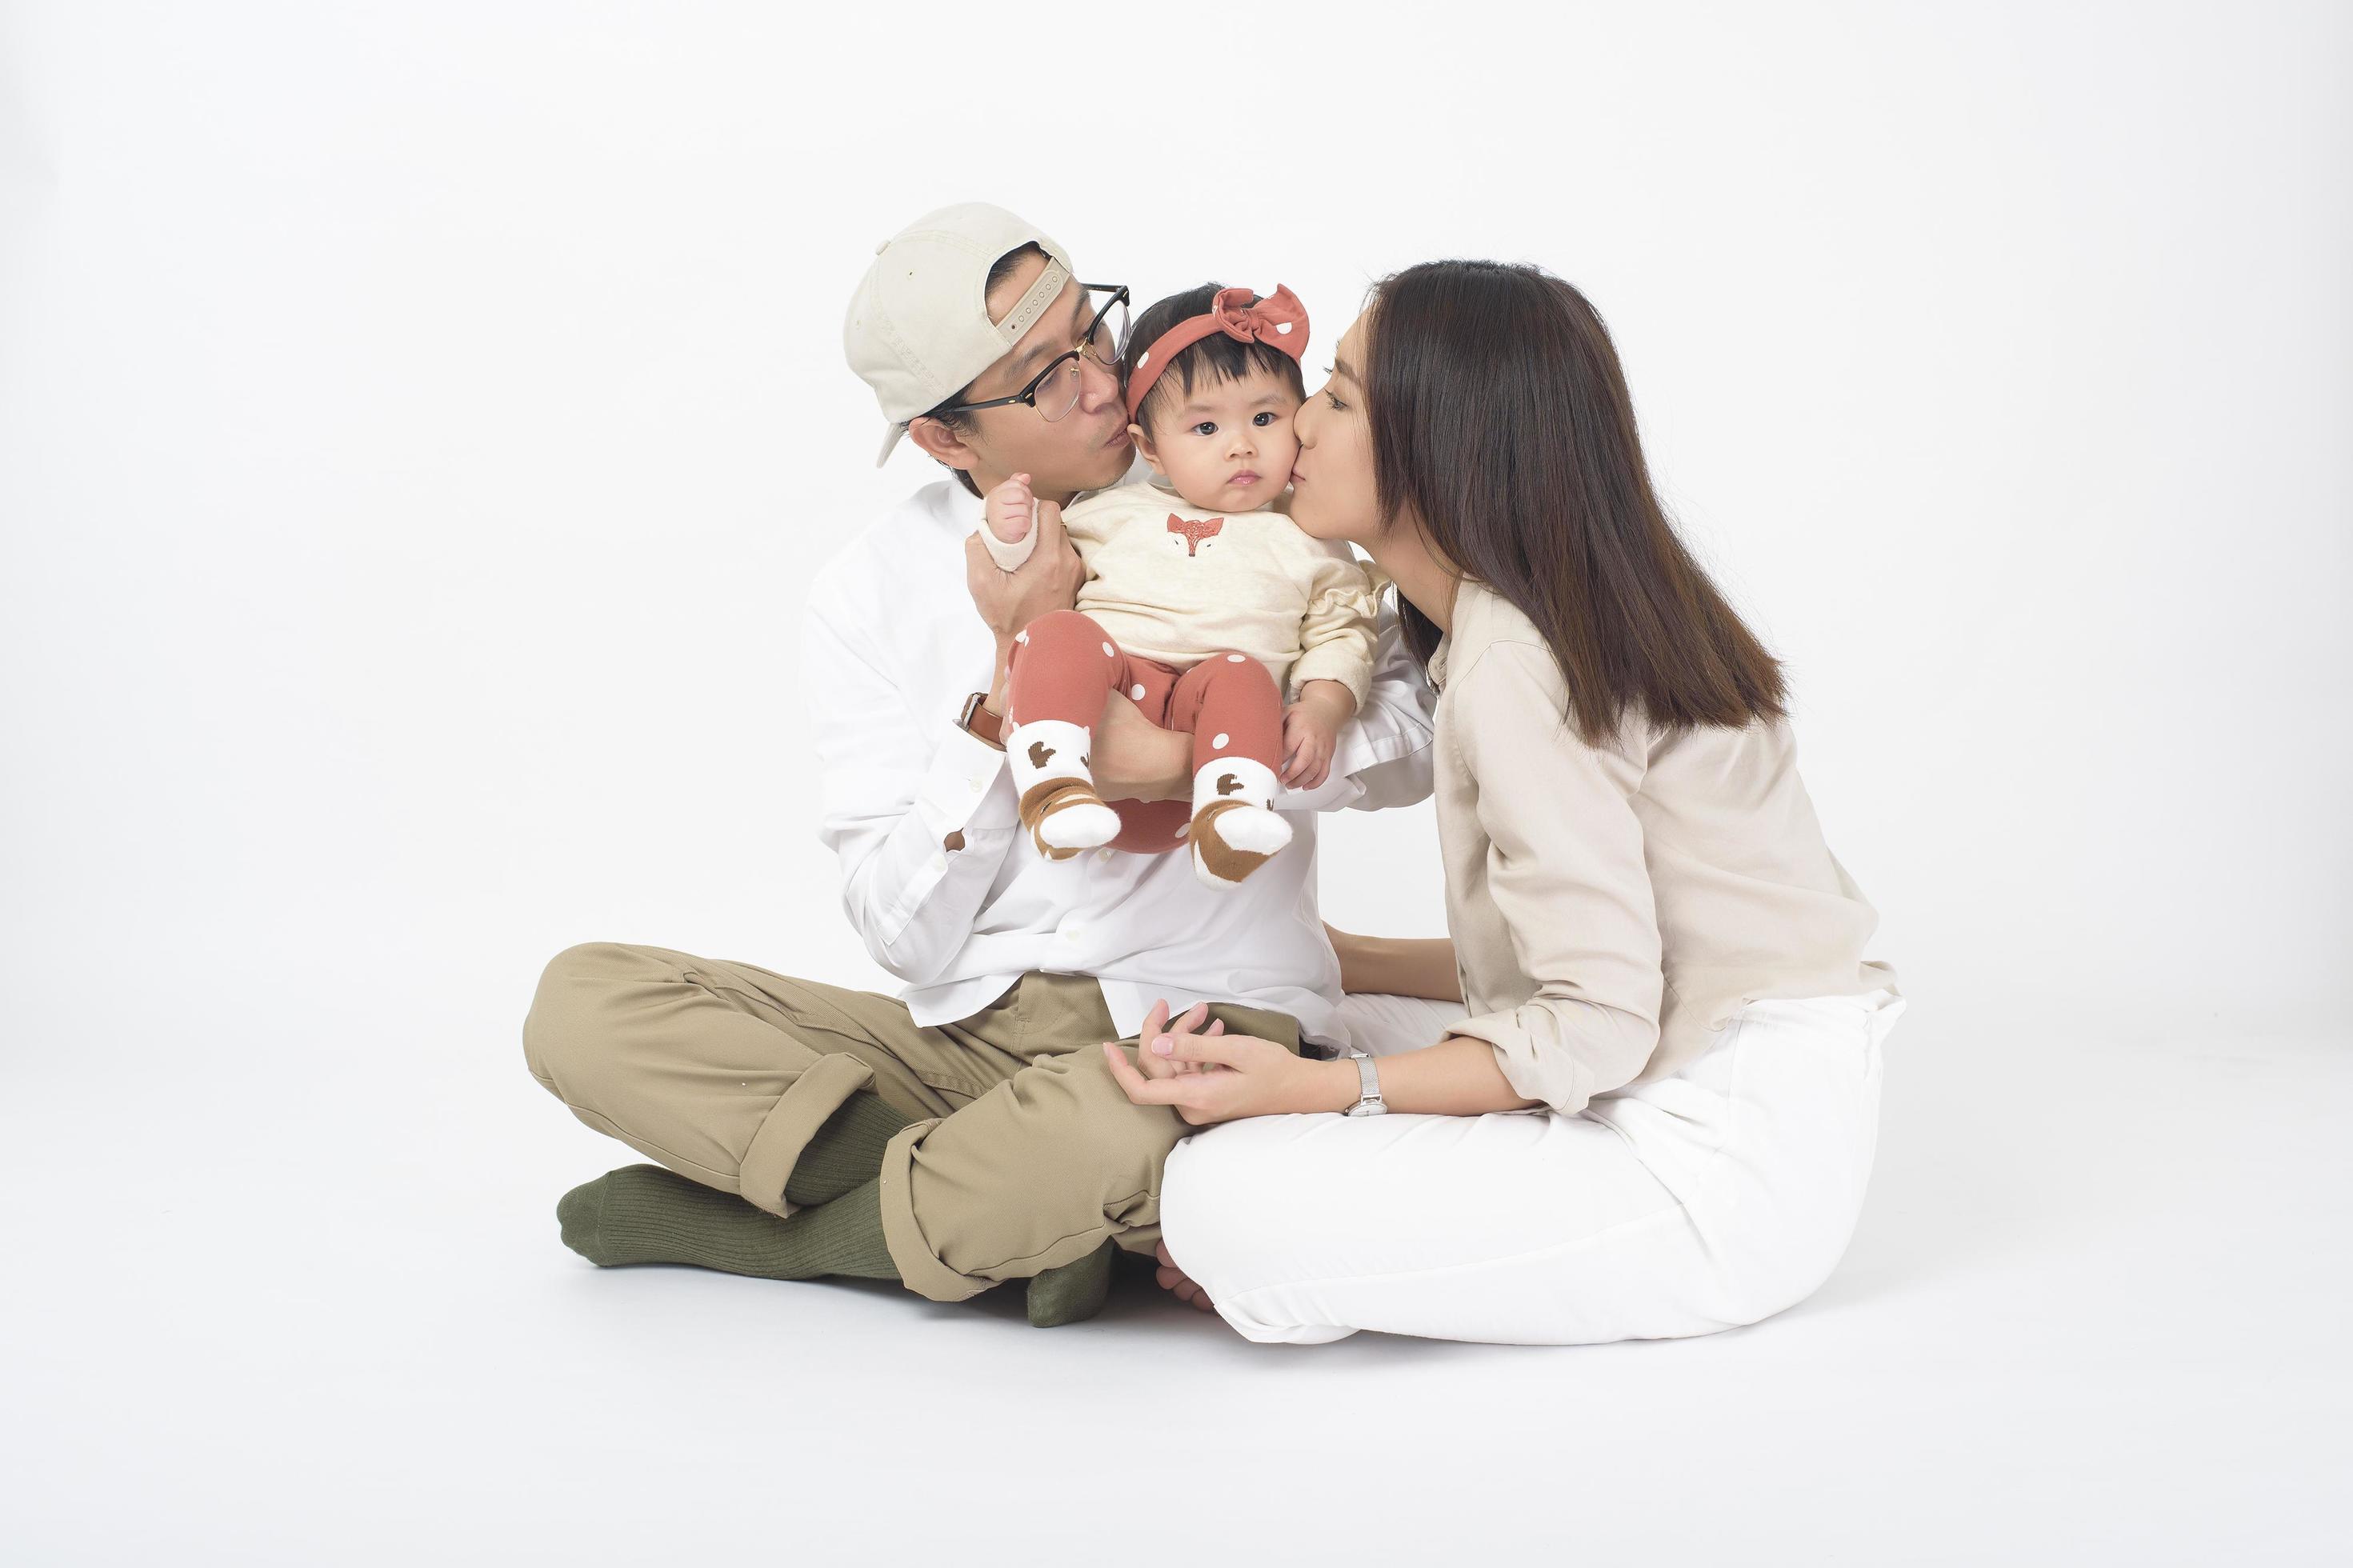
1175, 1279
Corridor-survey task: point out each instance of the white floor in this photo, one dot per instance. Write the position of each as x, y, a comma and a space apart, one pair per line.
304, 1318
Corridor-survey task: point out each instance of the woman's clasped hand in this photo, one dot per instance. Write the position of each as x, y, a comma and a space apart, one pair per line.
1208, 1076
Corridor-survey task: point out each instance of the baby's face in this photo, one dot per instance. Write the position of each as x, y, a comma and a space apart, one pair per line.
1228, 447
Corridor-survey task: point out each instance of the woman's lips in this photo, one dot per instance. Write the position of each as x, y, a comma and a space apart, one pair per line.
1297, 477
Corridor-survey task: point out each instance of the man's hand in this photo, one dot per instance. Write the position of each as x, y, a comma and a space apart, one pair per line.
1135, 759
1311, 730
1049, 581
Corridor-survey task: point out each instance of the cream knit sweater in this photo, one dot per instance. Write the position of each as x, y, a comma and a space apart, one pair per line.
1169, 581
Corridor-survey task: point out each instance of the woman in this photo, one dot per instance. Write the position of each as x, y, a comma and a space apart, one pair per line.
1657, 1116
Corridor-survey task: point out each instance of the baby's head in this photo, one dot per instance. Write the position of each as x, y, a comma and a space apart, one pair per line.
1213, 412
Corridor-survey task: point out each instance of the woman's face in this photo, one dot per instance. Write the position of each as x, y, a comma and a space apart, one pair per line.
1333, 494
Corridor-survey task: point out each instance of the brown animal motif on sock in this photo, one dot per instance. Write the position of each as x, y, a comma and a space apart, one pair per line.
1228, 783
1039, 752
1194, 532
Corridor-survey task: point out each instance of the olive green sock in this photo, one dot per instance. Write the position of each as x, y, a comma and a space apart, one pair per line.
1074, 1292
846, 1152
644, 1214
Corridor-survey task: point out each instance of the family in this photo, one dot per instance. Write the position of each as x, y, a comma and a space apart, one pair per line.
1077, 708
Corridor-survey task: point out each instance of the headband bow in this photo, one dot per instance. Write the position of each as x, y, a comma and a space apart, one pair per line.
1279, 319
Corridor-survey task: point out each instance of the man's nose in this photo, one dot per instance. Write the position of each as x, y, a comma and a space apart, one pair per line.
1098, 384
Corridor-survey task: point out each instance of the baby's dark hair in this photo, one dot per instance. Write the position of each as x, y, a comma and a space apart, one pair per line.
1217, 358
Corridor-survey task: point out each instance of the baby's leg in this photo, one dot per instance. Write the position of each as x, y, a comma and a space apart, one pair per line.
1230, 704
1151, 826
1059, 674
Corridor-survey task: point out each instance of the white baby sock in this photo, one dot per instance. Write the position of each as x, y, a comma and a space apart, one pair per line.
1235, 827
1058, 796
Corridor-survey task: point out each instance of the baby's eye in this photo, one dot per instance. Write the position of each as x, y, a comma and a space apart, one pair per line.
1265, 418
1206, 428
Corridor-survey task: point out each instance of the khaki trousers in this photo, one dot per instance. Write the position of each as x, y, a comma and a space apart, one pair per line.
1024, 1157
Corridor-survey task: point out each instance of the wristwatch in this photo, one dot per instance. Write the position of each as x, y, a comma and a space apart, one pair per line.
1368, 1101
976, 706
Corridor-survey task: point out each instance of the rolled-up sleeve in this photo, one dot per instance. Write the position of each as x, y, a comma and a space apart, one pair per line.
898, 788
1567, 873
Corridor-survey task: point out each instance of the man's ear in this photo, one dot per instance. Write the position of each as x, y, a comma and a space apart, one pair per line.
938, 440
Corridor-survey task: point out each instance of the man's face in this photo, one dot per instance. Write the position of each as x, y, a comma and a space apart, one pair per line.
1227, 445
1085, 450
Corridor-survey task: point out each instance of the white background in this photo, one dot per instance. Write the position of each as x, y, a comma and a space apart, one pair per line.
417, 423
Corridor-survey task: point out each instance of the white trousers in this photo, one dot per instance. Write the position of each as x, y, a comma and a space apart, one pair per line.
1701, 1201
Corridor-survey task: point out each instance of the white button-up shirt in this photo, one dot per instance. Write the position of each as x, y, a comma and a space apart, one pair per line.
892, 647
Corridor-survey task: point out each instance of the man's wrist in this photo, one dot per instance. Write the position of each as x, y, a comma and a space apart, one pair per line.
980, 720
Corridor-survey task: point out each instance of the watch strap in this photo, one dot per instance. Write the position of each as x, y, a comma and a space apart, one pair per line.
981, 721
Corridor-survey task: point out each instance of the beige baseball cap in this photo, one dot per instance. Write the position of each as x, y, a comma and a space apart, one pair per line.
918, 327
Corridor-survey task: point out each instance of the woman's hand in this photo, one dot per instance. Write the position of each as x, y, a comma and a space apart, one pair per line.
1213, 1076
1157, 1023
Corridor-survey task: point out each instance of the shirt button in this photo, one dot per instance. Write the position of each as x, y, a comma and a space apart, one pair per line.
1103, 853
1074, 930
979, 781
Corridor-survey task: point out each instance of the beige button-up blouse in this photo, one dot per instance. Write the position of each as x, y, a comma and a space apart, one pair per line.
1612, 906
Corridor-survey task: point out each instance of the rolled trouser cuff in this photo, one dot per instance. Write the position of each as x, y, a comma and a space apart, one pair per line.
798, 1112
919, 1265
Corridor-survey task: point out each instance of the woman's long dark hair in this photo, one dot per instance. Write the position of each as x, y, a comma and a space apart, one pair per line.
1501, 419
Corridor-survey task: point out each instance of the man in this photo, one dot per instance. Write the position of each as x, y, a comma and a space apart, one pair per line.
967, 1131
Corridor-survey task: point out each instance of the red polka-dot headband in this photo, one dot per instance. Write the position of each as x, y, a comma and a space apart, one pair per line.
1278, 318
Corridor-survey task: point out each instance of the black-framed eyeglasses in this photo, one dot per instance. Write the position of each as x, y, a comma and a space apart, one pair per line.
1053, 392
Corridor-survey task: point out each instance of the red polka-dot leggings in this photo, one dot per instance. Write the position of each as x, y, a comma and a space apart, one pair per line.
1065, 668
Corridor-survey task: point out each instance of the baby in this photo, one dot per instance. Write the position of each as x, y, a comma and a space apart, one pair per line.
1202, 598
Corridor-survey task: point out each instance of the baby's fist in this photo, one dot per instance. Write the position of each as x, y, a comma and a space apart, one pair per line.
1008, 516
1011, 509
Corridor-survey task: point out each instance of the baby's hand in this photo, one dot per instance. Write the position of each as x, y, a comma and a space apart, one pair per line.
1309, 731
1011, 509
1008, 518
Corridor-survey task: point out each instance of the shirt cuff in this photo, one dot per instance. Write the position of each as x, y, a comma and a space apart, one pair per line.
966, 786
